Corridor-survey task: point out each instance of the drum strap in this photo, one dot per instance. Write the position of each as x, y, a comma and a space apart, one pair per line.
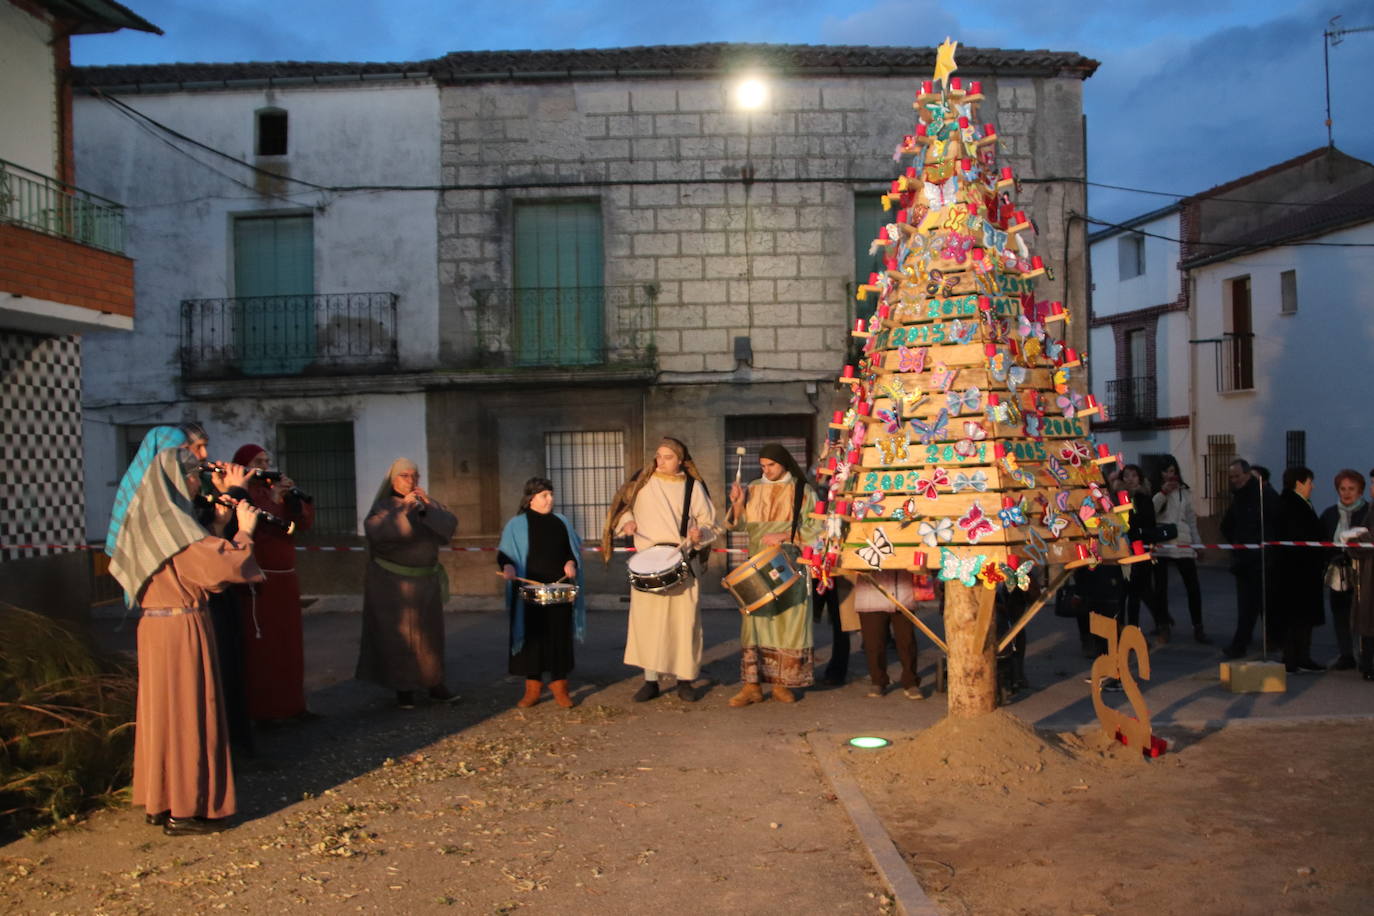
686, 506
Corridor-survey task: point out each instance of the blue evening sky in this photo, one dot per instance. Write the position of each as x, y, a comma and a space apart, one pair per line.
1190, 94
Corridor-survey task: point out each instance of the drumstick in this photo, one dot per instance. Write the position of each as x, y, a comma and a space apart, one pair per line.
739, 462
519, 578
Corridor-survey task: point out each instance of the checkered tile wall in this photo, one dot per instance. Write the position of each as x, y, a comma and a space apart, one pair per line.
41, 489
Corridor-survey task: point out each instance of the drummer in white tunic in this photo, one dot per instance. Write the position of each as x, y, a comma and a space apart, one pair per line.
665, 628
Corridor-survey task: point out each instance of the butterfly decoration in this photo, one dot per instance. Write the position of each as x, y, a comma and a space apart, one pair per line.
999, 412
977, 481
895, 389
850, 416
1075, 453
991, 575
1019, 576
1032, 348
834, 527
1061, 499
1057, 471
1034, 425
954, 568
1055, 523
1054, 349
1061, 380
841, 473
1101, 498
970, 399
961, 332
906, 513
942, 376
911, 359
966, 448
936, 429
1004, 370
1109, 530
929, 488
1087, 513
1021, 476
875, 548
858, 435
940, 285
976, 524
872, 503
1012, 516
1036, 546
1069, 402
891, 422
956, 247
892, 449
974, 430
942, 530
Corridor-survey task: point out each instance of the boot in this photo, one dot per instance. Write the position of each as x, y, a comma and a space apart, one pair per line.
1200, 636
783, 694
532, 691
749, 693
560, 693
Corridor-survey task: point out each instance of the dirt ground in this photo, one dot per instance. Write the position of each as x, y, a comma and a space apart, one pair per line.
996, 818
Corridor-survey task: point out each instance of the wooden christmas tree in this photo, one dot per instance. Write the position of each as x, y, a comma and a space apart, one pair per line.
966, 450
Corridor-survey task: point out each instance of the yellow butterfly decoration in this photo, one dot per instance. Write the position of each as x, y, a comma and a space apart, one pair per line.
892, 449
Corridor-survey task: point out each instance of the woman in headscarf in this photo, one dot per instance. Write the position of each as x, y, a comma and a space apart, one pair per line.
541, 545
776, 641
405, 589
665, 502
169, 565
270, 615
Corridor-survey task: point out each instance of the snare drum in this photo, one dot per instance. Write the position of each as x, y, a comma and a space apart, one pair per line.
549, 593
762, 578
658, 569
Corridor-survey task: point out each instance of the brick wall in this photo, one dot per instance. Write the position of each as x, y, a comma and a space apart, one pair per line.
770, 259
45, 267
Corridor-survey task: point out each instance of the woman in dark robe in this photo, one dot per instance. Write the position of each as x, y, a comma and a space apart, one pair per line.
541, 545
405, 589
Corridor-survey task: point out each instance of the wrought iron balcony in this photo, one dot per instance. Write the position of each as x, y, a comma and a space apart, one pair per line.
1131, 401
46, 205
1236, 362
323, 334
607, 326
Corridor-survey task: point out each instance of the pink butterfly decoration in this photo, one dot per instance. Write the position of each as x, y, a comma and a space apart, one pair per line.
976, 525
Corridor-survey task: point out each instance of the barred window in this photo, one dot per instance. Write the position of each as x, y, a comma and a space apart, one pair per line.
586, 467
1221, 451
319, 458
1295, 448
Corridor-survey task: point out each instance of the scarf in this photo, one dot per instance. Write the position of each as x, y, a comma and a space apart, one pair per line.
159, 524
775, 452
157, 439
624, 498
1346, 514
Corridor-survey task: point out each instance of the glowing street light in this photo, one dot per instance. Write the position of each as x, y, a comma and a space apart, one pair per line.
751, 94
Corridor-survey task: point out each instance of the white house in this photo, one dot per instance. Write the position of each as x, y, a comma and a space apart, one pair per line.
283, 301
1220, 322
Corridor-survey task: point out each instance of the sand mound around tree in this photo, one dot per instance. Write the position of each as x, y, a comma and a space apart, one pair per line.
994, 749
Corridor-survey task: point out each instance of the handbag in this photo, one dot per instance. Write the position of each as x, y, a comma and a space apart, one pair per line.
1339, 575
1166, 531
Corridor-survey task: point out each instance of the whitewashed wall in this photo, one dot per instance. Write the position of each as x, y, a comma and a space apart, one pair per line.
1309, 367
29, 92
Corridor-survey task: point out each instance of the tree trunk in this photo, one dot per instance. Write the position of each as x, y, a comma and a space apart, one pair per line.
972, 666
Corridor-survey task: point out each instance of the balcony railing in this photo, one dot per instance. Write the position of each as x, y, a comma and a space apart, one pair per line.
324, 334
1131, 401
565, 326
46, 205
1236, 362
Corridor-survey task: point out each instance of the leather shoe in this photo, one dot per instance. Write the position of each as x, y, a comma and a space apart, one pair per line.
647, 691
156, 820
686, 692
193, 826
783, 694
750, 693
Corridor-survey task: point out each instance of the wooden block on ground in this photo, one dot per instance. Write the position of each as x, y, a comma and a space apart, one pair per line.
1254, 677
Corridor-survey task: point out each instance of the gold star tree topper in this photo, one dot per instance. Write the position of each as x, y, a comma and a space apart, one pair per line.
944, 60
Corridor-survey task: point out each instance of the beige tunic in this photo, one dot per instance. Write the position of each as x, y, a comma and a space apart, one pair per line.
181, 744
665, 629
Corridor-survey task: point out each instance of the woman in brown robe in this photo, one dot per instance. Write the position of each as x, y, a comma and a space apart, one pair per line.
169, 563
405, 589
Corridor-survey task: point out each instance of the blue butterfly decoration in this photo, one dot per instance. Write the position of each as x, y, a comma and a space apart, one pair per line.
964, 569
929, 432
1034, 422
961, 332
1004, 370
969, 399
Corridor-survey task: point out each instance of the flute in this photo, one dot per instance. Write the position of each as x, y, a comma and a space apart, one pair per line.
231, 502
267, 476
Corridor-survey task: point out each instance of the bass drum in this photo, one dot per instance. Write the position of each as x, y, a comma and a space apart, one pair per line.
763, 578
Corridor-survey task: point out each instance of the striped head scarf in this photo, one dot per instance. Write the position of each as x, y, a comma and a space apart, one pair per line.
160, 522
157, 439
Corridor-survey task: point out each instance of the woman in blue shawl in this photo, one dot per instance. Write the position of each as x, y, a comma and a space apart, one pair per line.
541, 545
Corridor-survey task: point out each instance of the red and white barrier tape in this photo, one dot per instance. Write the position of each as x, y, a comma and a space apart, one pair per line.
316, 547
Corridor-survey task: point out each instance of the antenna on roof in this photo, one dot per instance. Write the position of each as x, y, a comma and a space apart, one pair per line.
1330, 38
